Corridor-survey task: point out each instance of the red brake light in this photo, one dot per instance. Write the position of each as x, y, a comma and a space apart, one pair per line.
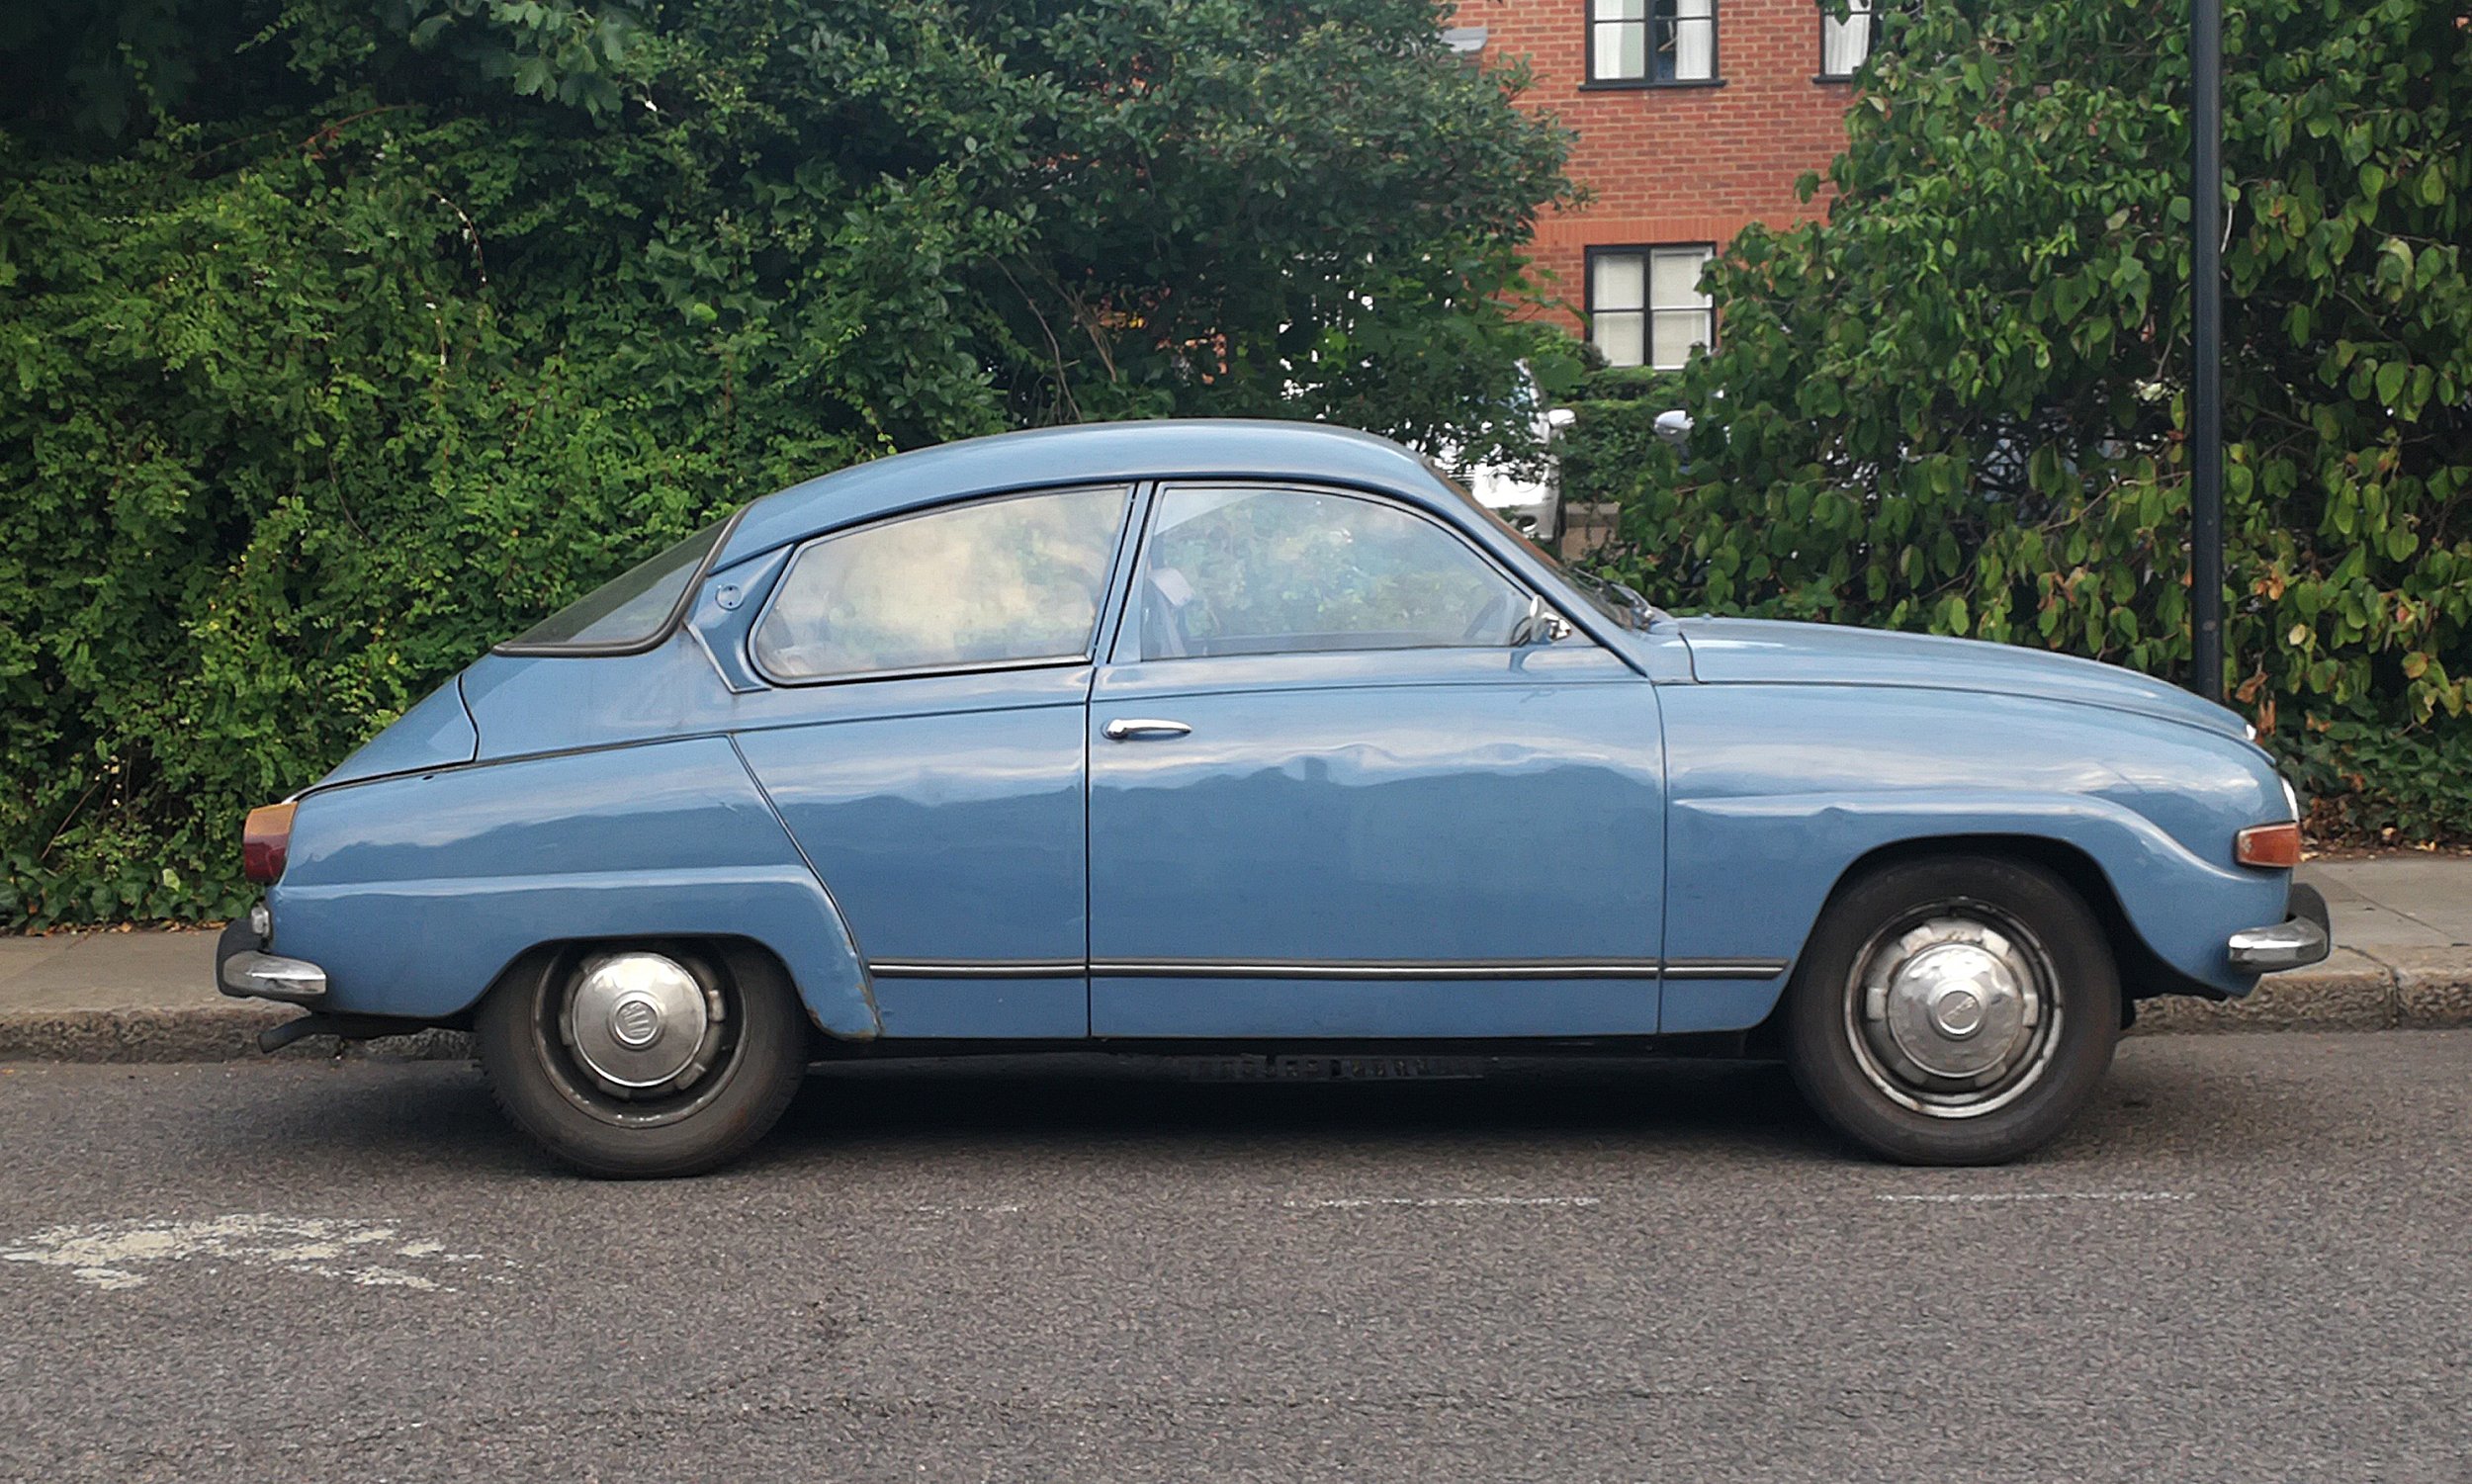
263, 842
2275, 846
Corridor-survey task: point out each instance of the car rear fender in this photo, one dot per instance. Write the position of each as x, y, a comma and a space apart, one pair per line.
415, 892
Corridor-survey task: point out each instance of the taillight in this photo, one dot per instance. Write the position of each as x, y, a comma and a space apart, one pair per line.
2276, 845
263, 842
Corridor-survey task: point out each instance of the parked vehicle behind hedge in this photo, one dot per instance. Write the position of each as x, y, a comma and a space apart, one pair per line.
1198, 737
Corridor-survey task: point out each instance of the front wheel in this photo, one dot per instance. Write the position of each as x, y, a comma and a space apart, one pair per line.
1955, 1009
644, 1060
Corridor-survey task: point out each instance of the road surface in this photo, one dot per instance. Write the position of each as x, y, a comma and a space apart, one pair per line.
2252, 1260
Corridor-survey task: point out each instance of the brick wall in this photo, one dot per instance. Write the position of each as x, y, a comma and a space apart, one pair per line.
1675, 164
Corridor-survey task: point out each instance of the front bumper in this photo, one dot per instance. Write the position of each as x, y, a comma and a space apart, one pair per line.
2299, 940
244, 970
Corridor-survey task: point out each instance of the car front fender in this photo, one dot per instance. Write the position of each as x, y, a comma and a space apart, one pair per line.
1780, 792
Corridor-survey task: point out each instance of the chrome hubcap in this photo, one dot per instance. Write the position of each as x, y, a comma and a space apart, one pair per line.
641, 1025
1952, 1016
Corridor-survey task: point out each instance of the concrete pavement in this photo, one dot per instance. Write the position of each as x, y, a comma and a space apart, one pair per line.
2244, 1263
2403, 926
2403, 955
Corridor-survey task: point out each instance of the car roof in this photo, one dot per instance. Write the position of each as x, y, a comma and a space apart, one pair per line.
1087, 453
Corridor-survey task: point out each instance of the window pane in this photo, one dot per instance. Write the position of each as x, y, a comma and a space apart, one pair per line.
1695, 40
1844, 43
630, 607
1675, 279
1017, 578
1284, 571
1622, 50
1677, 331
1618, 281
1622, 336
1620, 10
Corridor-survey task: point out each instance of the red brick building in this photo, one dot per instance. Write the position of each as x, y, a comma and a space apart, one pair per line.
1694, 119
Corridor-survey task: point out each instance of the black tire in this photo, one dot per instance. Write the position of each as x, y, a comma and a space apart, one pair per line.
759, 1052
2048, 966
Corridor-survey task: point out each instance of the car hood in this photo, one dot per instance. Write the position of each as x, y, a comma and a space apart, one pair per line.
1754, 651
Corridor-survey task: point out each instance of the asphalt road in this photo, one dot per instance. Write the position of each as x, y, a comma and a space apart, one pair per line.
2252, 1260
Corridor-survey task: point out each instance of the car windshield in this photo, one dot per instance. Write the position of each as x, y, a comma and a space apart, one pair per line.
630, 609
1611, 599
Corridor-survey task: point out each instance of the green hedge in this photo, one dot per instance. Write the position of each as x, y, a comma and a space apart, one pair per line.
1613, 435
1960, 403
340, 338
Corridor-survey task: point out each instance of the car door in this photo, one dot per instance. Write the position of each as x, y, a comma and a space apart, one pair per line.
921, 734
1331, 797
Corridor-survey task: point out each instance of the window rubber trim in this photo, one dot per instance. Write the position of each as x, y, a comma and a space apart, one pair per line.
1273, 484
669, 629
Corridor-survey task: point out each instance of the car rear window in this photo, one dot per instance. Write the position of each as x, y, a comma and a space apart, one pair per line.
630, 611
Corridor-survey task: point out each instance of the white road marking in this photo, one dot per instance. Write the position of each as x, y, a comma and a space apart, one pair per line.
1423, 1202
2001, 1197
965, 1210
112, 1253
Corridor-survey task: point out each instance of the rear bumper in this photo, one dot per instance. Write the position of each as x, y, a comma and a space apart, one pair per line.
2296, 943
244, 970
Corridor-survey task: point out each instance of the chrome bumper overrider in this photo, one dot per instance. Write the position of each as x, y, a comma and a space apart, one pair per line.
243, 967
2294, 943
268, 976
2302, 939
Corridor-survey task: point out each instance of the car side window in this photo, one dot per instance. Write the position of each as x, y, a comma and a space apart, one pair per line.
1017, 579
1233, 570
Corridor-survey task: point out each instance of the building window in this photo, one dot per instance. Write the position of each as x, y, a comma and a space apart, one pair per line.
1845, 41
1645, 308
1649, 42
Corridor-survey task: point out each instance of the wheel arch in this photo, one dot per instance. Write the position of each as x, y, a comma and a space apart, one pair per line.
2144, 974
741, 954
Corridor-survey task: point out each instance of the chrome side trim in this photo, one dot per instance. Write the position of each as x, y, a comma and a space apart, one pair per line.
1724, 967
1429, 969
1473, 968
1008, 968
268, 976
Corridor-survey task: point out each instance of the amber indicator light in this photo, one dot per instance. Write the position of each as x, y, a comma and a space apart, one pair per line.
2268, 845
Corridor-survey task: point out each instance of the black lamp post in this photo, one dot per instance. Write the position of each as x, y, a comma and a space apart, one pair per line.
2206, 380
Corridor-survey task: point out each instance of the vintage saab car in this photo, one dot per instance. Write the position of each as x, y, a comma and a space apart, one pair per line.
1251, 736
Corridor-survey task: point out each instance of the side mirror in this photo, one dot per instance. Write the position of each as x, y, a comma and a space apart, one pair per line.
1540, 625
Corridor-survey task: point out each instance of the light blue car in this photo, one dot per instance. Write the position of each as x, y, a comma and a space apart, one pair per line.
1251, 736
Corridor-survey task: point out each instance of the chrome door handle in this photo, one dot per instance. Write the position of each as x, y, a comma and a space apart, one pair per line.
1140, 727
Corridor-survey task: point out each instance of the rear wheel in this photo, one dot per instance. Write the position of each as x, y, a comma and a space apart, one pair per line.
1954, 1009
639, 1060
